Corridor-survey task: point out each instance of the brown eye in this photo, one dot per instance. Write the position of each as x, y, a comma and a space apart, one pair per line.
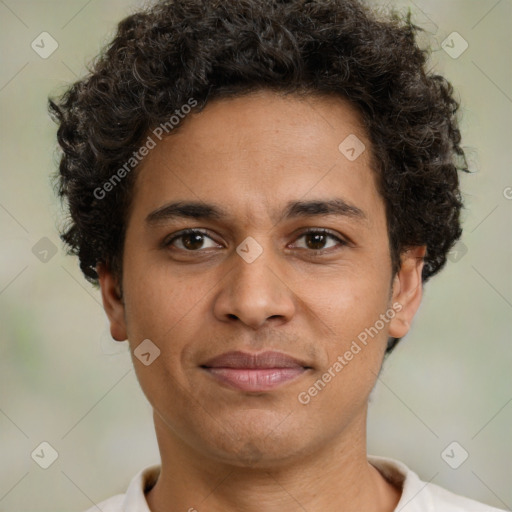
315, 241
191, 240
318, 240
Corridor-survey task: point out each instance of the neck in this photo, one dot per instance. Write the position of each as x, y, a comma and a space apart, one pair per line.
333, 478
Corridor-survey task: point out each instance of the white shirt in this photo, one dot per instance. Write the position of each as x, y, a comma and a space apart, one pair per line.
417, 496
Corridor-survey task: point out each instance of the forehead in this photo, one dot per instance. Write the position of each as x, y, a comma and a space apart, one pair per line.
256, 152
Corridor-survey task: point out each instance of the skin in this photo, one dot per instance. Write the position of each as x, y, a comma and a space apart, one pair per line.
224, 449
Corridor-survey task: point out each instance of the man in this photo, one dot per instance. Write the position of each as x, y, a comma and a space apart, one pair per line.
261, 188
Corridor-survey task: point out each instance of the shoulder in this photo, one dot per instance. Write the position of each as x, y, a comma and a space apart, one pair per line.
419, 496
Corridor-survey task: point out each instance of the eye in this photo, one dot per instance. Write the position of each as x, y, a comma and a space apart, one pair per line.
319, 240
191, 240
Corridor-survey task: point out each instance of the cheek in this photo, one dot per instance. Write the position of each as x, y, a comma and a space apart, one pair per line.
353, 349
159, 303
348, 306
163, 308
348, 299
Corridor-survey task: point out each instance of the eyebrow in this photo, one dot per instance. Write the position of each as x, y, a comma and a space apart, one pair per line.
293, 209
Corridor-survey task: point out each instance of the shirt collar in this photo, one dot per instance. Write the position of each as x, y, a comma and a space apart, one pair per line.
142, 482
413, 498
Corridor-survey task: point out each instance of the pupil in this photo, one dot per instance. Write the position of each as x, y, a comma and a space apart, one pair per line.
193, 241
315, 241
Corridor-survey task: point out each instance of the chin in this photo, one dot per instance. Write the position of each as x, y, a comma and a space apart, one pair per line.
258, 444
254, 455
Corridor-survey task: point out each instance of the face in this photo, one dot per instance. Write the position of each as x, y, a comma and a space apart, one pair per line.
259, 310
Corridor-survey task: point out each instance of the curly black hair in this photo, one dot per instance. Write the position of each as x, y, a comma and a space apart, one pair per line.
175, 50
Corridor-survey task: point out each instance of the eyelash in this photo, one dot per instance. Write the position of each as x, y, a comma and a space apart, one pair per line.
322, 231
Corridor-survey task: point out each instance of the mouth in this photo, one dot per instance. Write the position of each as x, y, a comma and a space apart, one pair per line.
254, 372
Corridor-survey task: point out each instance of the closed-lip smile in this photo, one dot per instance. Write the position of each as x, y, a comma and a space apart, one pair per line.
254, 372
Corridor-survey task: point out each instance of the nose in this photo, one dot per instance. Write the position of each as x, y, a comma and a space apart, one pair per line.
254, 293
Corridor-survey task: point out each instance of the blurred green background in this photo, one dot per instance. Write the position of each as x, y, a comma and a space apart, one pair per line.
64, 381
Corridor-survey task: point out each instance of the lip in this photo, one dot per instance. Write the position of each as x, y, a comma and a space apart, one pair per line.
254, 372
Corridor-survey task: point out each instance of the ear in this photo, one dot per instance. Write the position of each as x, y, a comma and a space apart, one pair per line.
112, 302
407, 290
